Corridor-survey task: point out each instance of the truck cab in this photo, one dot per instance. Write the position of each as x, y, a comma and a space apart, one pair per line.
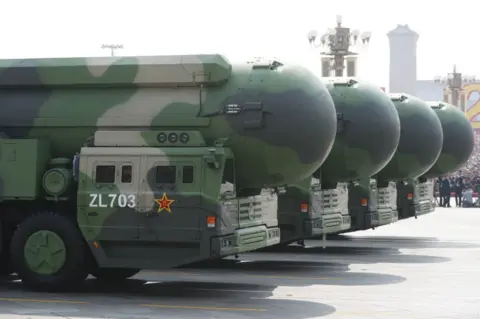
334, 209
415, 198
386, 203
362, 205
422, 196
306, 211
151, 207
371, 206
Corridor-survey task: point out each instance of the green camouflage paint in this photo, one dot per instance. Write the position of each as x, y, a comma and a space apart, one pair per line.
368, 135
420, 143
368, 131
458, 140
274, 123
421, 140
69, 99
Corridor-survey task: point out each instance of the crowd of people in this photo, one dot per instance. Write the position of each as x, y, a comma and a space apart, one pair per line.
464, 185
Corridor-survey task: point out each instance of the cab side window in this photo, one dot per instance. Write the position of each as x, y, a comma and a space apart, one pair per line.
187, 174
105, 174
126, 173
166, 174
228, 178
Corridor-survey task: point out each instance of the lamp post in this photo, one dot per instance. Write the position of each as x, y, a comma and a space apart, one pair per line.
337, 45
112, 47
454, 93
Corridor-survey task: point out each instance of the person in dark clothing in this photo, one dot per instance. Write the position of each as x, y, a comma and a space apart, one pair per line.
459, 187
441, 190
447, 190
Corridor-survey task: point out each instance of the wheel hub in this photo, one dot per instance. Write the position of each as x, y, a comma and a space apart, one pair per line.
45, 252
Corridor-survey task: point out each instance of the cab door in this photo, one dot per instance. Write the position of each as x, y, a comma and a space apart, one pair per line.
169, 209
108, 197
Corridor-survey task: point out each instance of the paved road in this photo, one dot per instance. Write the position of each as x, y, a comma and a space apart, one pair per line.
418, 269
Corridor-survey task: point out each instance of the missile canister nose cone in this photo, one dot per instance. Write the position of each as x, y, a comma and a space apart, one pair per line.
297, 130
368, 130
421, 139
458, 140
302, 118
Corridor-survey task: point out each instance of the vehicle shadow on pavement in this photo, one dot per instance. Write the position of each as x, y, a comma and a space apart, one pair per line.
399, 242
290, 272
135, 298
363, 253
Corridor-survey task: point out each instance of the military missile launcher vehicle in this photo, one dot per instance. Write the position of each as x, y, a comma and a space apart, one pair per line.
415, 198
420, 144
458, 144
372, 204
458, 140
111, 165
368, 131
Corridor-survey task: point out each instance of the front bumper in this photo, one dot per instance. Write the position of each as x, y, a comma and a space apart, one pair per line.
423, 207
336, 223
387, 217
244, 240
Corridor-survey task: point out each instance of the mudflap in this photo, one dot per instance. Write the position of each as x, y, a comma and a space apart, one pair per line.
313, 227
362, 202
6, 267
406, 209
362, 219
405, 205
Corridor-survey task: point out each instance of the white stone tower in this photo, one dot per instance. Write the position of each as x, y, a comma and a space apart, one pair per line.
403, 59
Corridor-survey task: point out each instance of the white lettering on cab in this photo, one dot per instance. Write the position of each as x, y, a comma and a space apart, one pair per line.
112, 200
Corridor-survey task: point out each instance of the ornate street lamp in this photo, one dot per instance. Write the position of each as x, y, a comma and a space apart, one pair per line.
112, 47
338, 45
454, 92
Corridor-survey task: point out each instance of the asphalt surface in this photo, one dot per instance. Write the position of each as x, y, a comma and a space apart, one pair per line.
417, 269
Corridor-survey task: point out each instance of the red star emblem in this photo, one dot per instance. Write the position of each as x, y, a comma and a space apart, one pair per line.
164, 203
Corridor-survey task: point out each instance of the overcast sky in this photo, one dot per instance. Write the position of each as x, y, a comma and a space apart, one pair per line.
241, 29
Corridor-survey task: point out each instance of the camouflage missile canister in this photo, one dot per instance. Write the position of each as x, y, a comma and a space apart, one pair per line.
420, 143
458, 140
368, 131
271, 115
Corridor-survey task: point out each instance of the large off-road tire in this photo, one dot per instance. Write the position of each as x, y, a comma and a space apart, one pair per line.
48, 253
6, 268
114, 274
